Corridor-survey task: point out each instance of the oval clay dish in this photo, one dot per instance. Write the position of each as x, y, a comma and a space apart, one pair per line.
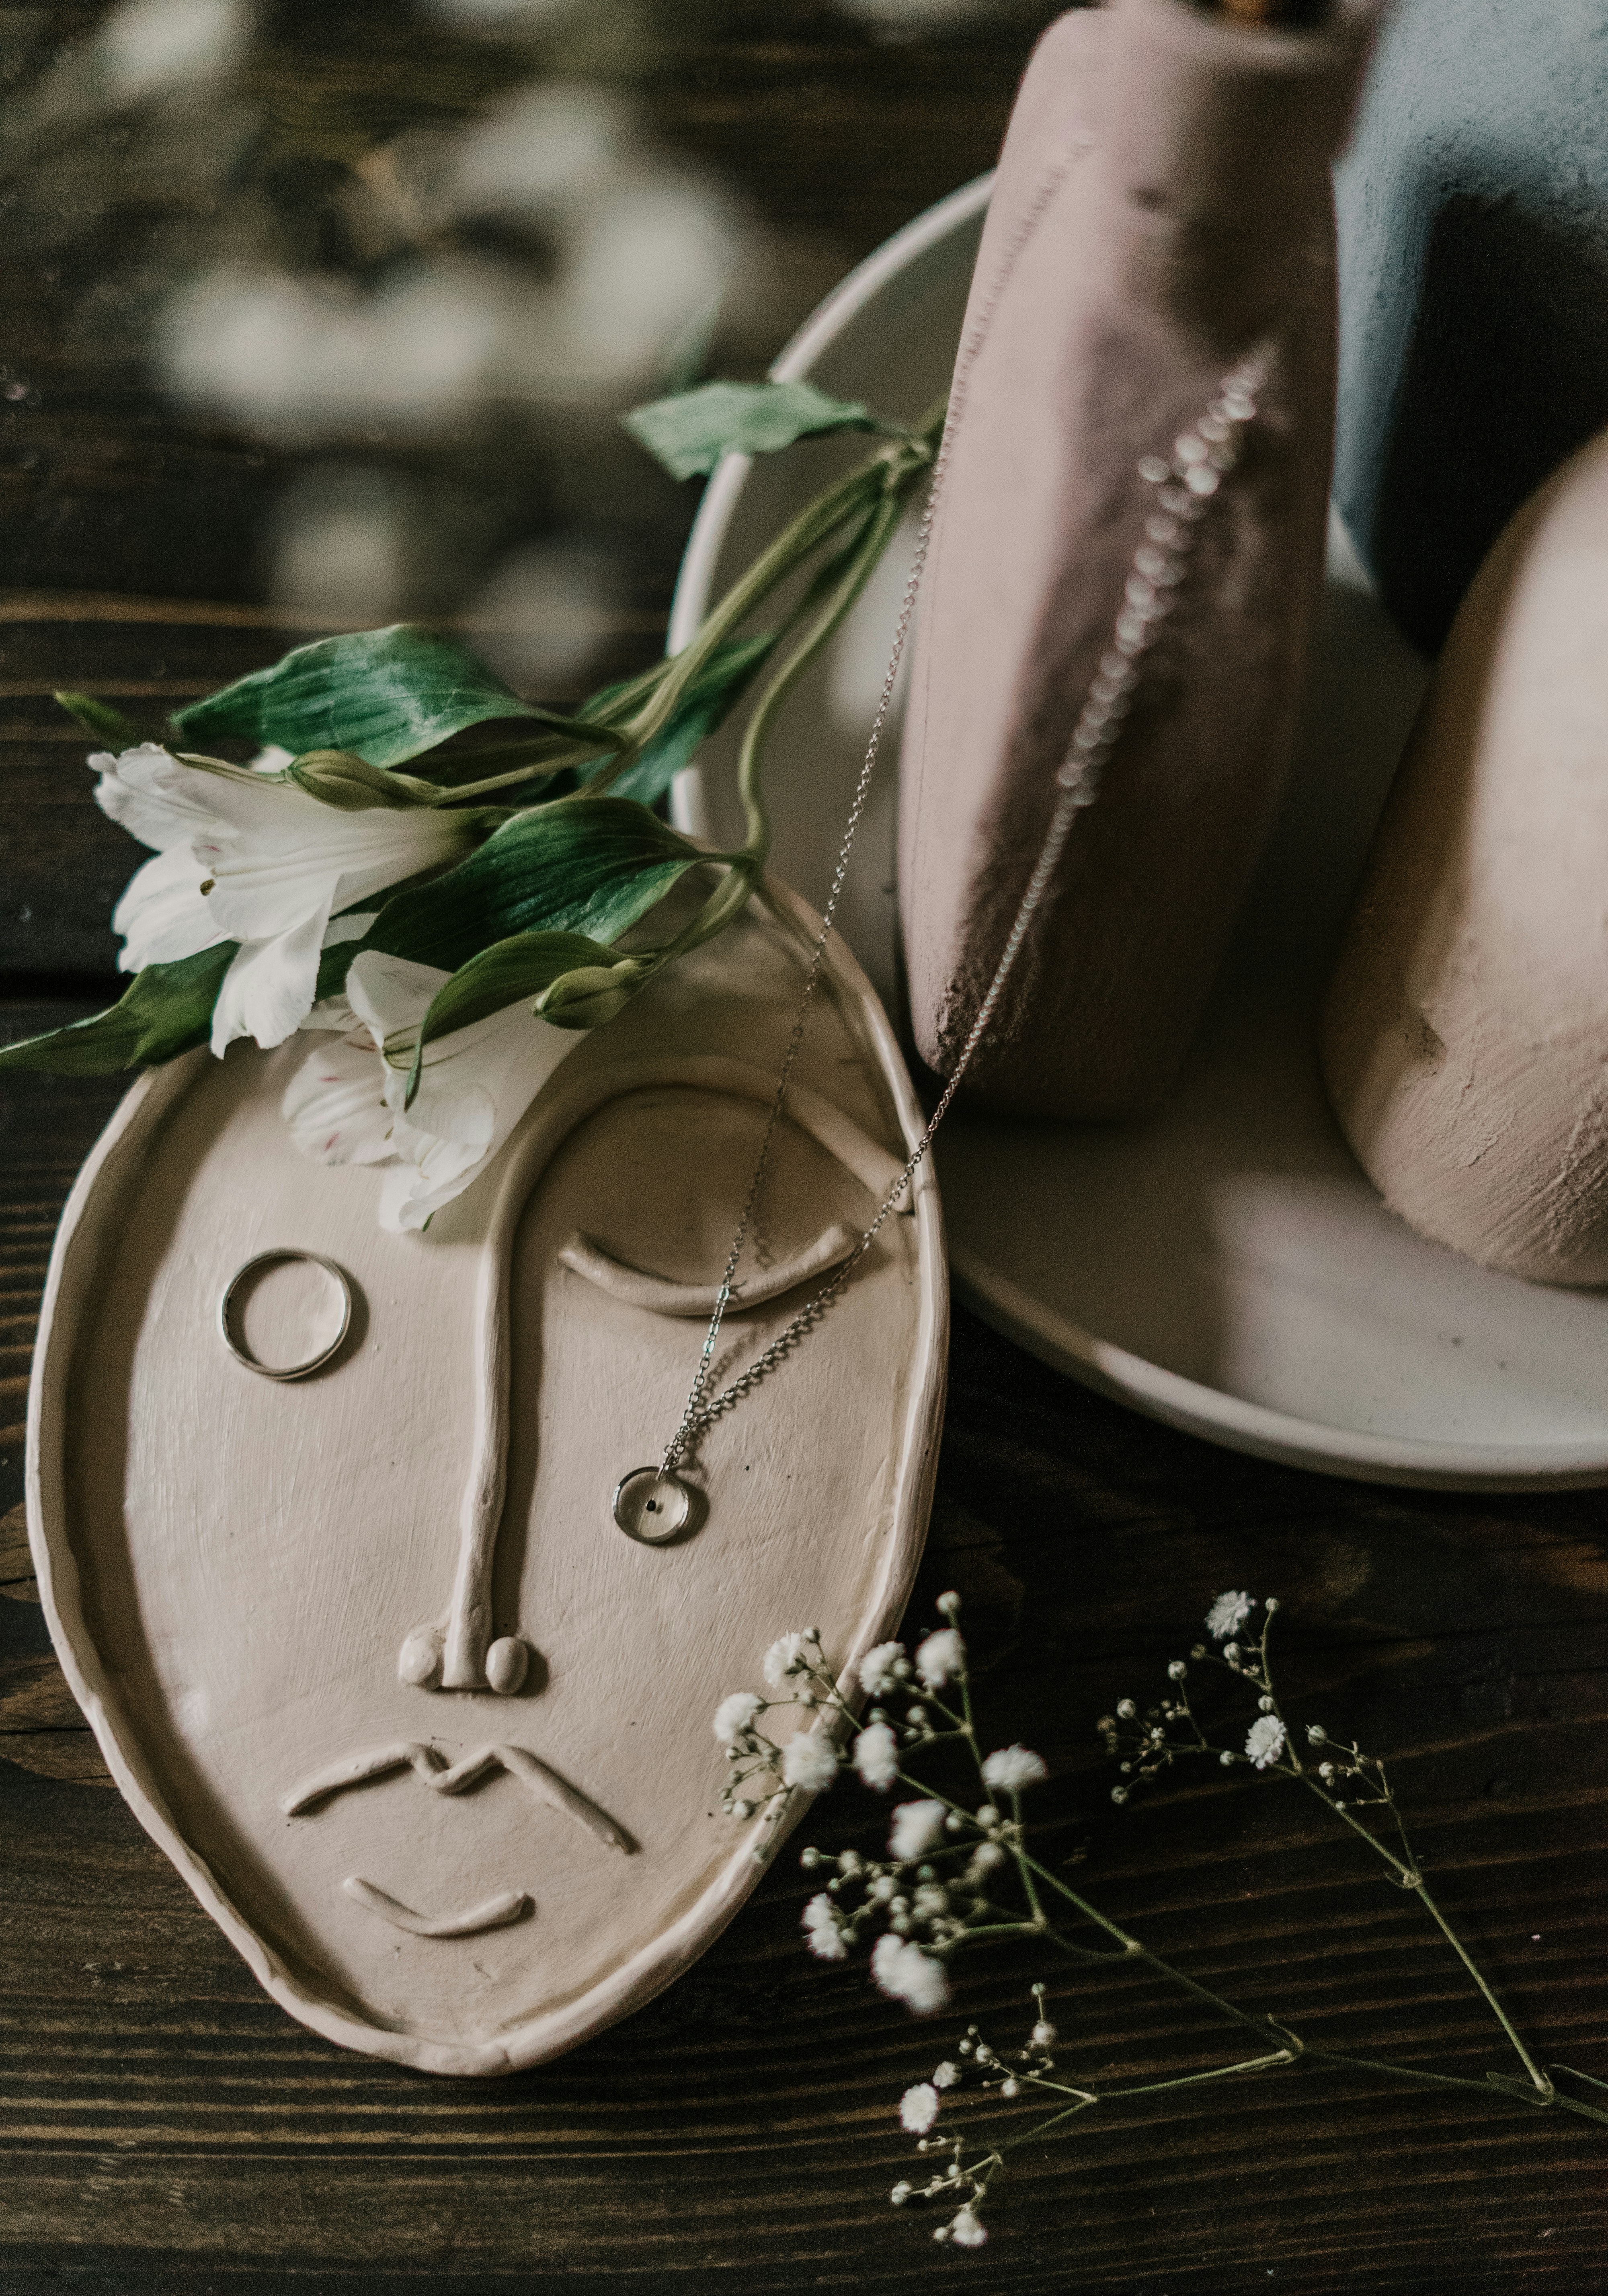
459, 1880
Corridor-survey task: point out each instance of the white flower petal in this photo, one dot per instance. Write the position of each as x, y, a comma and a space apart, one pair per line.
918, 1827
941, 1656
732, 1716
1012, 1769
334, 1107
269, 990
148, 794
162, 914
908, 1974
809, 1761
271, 850
876, 1756
475, 1085
918, 2107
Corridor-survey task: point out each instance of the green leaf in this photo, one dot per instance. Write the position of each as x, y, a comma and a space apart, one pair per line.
509, 972
100, 718
590, 864
166, 1010
689, 432
718, 687
387, 695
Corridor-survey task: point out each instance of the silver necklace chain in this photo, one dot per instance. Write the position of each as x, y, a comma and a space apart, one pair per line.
1185, 483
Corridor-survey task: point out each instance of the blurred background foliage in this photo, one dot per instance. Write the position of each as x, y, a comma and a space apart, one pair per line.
330, 307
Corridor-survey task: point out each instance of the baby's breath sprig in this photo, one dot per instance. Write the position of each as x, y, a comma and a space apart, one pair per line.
958, 1872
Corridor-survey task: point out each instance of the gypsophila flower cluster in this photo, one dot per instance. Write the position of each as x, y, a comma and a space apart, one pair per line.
958, 1872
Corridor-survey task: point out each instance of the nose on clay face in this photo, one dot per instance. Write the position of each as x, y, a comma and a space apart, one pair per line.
501, 1664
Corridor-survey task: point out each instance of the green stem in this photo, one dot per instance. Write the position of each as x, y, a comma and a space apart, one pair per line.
1502, 2018
1411, 1878
878, 529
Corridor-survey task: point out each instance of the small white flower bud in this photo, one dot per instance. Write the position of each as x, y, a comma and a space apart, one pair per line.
1325, 1769
1231, 1651
1226, 1760
1126, 1709
1010, 2087
1178, 1669
742, 1809
1198, 1651
1105, 1724
809, 1859
1316, 1735
1044, 2036
1118, 1793
1266, 1703
901, 2192
952, 1824
949, 1604
987, 1816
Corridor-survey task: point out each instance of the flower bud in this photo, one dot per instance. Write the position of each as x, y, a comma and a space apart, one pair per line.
590, 995
348, 783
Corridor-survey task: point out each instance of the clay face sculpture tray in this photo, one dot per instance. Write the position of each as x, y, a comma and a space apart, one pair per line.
1224, 1267
238, 1573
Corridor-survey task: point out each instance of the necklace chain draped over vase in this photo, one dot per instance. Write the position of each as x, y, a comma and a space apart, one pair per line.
655, 1505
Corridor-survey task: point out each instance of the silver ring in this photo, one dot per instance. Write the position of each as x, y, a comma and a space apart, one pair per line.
235, 1340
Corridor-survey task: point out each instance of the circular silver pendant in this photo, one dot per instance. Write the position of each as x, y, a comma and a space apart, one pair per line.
652, 1506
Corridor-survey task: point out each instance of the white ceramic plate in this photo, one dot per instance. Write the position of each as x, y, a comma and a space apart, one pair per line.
1224, 1267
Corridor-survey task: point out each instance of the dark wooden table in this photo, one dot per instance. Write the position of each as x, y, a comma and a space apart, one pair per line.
163, 2126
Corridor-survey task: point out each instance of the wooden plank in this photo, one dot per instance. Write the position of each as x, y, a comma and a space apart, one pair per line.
159, 2120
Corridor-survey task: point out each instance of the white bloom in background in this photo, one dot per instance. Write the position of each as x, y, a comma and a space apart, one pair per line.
941, 1656
822, 1934
1228, 1614
809, 1760
876, 1756
947, 2075
908, 1974
276, 863
918, 2107
344, 1104
1012, 1769
1265, 1740
967, 2230
877, 1676
918, 1827
733, 1715
787, 1656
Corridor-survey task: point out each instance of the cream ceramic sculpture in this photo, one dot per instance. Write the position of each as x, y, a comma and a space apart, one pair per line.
1161, 215
1466, 1040
367, 1652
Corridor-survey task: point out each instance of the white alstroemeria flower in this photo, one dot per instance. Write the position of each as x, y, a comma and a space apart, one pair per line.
344, 1104
256, 861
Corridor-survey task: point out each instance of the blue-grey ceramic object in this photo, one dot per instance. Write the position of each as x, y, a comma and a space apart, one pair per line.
1473, 237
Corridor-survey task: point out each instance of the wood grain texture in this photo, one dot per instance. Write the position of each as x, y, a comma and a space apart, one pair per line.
163, 2127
